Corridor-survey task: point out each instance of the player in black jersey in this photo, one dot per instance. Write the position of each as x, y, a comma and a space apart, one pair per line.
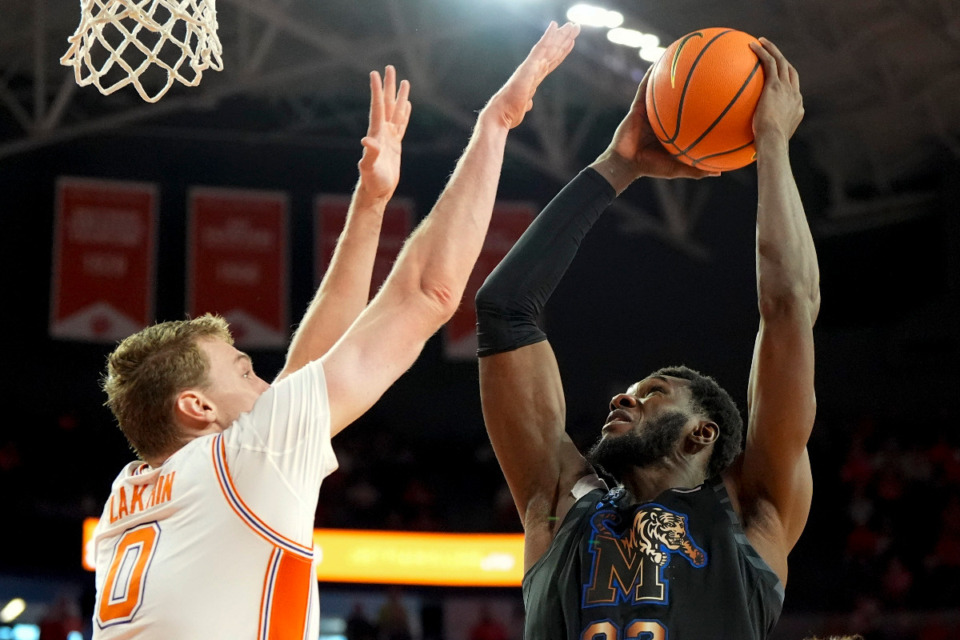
692, 543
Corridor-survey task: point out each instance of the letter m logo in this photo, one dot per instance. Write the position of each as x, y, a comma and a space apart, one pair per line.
620, 574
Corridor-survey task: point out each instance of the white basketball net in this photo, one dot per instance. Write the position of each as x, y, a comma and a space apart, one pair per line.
133, 37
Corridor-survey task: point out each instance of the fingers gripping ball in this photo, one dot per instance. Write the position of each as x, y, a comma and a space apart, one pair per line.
701, 96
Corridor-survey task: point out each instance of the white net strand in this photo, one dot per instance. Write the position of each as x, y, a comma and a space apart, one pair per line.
189, 26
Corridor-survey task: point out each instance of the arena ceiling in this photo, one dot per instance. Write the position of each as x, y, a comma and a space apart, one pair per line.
881, 81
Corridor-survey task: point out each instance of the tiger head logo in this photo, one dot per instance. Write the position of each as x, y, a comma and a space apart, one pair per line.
656, 533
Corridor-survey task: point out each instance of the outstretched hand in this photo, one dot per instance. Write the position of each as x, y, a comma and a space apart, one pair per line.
636, 146
389, 115
515, 98
780, 109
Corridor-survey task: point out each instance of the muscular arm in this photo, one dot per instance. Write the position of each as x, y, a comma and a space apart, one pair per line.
775, 483
345, 289
425, 286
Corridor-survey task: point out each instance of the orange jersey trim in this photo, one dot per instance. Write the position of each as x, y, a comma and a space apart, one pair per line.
285, 604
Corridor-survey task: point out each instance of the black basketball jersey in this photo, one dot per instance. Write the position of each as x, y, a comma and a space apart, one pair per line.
678, 568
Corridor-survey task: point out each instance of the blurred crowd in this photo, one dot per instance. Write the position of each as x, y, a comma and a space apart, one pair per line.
387, 482
900, 494
903, 517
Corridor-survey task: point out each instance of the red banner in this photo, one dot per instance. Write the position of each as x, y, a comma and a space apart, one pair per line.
330, 216
237, 252
103, 272
510, 220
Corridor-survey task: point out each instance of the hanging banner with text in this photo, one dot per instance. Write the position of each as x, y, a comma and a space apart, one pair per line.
103, 271
330, 216
510, 220
237, 253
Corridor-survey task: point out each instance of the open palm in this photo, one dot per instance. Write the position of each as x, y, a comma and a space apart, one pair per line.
389, 115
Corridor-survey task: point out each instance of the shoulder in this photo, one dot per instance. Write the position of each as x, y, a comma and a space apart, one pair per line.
292, 394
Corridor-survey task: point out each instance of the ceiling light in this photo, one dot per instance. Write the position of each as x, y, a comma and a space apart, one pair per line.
626, 37
592, 16
651, 54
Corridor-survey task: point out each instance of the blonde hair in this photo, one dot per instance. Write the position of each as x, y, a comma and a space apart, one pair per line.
146, 372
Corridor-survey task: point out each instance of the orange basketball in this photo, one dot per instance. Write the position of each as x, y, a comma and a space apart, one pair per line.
701, 96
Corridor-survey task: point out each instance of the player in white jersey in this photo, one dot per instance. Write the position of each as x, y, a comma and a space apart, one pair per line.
210, 534
233, 511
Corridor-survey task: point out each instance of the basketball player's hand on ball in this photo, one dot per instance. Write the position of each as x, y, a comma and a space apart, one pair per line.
389, 115
636, 146
515, 98
780, 109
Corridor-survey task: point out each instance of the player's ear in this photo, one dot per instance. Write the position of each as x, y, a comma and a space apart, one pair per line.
195, 409
705, 433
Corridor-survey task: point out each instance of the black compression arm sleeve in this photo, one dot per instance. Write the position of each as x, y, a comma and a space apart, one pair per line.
511, 299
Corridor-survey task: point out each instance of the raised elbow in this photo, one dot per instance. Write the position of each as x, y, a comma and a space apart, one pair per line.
441, 299
491, 301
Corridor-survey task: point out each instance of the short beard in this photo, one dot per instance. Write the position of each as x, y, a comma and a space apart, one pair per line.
618, 454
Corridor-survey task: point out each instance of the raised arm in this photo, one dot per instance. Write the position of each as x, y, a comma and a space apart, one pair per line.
775, 484
345, 289
520, 386
426, 284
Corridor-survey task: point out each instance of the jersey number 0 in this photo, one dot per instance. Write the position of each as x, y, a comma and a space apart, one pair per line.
122, 591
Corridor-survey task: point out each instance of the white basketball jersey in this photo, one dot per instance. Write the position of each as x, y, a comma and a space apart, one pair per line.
217, 542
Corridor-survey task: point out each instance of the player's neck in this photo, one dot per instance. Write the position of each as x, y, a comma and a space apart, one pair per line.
158, 460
